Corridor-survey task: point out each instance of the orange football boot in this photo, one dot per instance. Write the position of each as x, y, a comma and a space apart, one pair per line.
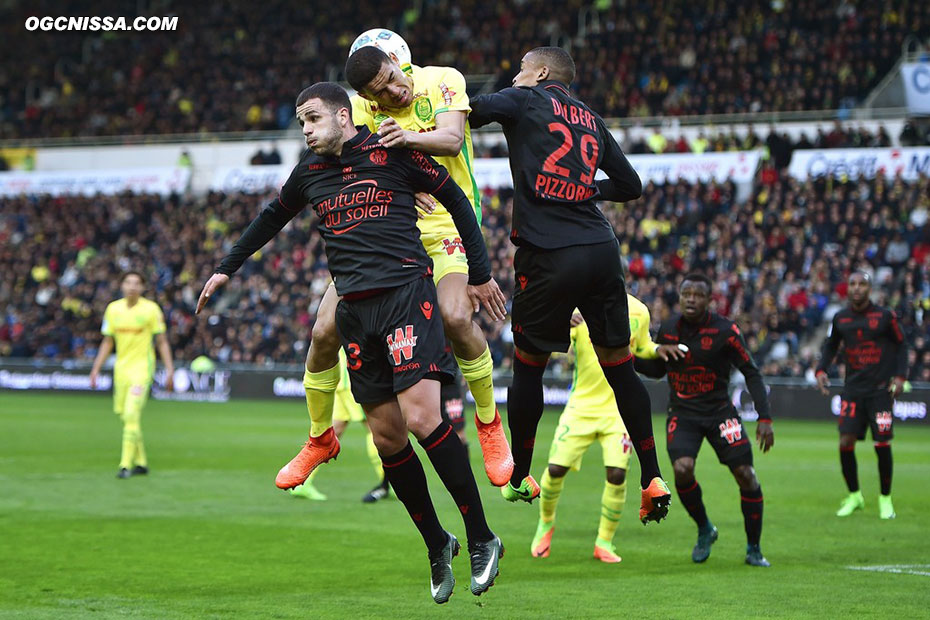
655, 500
315, 452
498, 460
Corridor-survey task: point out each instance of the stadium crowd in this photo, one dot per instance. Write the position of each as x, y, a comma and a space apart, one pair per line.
778, 259
236, 66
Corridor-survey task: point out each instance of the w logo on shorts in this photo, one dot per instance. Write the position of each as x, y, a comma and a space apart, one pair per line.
401, 344
731, 430
883, 421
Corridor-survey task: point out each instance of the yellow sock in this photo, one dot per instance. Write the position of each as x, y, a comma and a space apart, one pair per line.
612, 501
321, 396
550, 489
373, 455
141, 459
477, 373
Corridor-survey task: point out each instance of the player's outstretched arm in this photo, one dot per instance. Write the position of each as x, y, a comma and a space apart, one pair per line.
502, 107
106, 347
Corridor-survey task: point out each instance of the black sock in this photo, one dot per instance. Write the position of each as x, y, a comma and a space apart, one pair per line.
850, 470
691, 499
636, 411
446, 453
751, 502
524, 409
405, 473
885, 466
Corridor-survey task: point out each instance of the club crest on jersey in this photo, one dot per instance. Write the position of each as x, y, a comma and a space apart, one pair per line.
873, 323
401, 344
423, 109
378, 158
731, 430
706, 343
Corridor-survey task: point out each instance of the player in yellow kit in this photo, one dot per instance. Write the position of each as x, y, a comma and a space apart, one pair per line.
346, 410
591, 415
130, 323
425, 110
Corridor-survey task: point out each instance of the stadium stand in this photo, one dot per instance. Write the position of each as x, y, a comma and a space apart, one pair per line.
778, 259
235, 67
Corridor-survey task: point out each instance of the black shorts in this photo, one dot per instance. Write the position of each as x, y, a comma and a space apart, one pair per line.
875, 411
550, 284
725, 433
453, 405
393, 340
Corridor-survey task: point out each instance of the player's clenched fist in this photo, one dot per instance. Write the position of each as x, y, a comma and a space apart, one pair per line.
392, 135
213, 284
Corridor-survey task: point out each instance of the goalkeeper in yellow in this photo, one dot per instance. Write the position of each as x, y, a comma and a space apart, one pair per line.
591, 415
425, 110
130, 323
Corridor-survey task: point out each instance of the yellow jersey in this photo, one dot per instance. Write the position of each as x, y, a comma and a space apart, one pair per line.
435, 90
591, 395
132, 330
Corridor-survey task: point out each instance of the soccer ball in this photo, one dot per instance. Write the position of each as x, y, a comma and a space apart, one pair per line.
388, 42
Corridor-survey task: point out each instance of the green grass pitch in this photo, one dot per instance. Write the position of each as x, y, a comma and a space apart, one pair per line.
207, 534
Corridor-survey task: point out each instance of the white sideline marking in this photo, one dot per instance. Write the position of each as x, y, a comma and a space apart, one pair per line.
899, 569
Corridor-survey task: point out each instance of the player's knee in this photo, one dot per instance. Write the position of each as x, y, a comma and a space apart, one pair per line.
457, 320
684, 470
615, 475
557, 471
847, 442
324, 346
422, 422
745, 477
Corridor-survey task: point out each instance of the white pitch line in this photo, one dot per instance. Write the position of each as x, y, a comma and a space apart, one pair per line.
898, 569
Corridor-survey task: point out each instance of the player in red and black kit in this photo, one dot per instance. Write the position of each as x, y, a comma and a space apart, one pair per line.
876, 364
567, 256
700, 407
387, 318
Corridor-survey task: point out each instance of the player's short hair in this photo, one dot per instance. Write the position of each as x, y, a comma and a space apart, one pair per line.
698, 277
131, 272
363, 66
560, 63
331, 94
861, 272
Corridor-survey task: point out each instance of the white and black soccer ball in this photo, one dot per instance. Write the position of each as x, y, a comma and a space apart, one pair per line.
388, 42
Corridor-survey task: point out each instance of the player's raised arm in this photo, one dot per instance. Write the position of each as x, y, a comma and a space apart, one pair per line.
427, 175
622, 182
261, 230
501, 107
830, 346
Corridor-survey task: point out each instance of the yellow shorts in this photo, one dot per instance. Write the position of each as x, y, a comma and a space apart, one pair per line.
575, 434
345, 409
444, 246
130, 393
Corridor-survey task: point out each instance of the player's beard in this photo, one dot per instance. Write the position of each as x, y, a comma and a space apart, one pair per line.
329, 142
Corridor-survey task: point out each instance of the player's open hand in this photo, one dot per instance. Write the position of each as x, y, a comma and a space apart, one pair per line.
392, 135
896, 387
823, 383
213, 284
765, 436
670, 352
425, 203
491, 297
